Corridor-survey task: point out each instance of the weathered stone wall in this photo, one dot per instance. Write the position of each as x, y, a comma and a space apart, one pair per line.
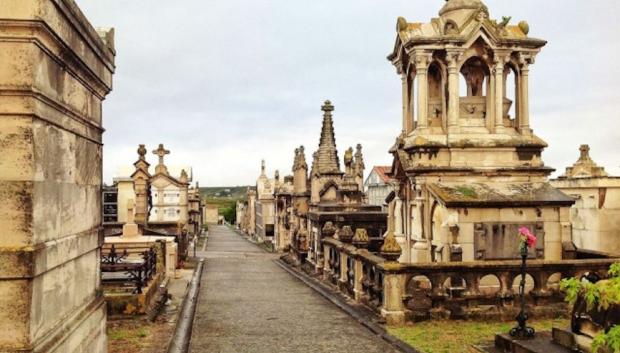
55, 71
596, 214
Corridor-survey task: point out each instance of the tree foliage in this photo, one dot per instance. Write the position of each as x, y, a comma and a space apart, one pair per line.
600, 296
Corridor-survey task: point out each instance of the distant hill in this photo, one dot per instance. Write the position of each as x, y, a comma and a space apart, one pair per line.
225, 198
230, 193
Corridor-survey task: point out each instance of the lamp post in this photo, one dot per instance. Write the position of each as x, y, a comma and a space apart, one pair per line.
522, 330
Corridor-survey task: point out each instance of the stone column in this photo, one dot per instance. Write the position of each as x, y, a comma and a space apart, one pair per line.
420, 246
393, 309
453, 89
358, 271
524, 101
499, 63
56, 70
326, 267
422, 61
344, 268
407, 118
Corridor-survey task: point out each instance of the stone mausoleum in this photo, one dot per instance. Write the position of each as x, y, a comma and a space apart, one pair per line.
55, 72
468, 163
596, 214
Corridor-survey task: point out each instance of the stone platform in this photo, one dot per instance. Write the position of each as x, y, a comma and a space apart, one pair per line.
557, 341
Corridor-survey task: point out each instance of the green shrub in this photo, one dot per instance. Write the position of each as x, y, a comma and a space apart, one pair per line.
600, 296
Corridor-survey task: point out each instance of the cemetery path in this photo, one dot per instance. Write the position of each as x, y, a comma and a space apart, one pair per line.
249, 304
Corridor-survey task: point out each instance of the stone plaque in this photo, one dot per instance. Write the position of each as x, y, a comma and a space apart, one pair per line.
500, 241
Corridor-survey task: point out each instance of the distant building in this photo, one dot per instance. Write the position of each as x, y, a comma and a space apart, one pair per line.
110, 204
195, 213
595, 217
168, 193
265, 207
378, 186
211, 214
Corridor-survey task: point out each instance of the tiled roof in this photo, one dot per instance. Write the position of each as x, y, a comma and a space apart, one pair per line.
382, 172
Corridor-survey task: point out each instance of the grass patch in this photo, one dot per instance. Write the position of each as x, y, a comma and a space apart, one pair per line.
466, 191
127, 337
459, 336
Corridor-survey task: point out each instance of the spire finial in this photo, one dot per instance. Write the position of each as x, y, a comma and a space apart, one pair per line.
142, 152
584, 152
327, 107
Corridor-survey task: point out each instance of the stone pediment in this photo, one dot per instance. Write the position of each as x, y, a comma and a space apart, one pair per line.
163, 179
585, 167
498, 195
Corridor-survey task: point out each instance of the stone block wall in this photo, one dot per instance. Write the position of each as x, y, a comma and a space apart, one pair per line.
55, 71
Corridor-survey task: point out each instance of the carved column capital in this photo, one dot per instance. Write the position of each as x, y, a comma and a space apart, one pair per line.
422, 60
453, 56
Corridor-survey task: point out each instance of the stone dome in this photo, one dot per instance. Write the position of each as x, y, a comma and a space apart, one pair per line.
456, 5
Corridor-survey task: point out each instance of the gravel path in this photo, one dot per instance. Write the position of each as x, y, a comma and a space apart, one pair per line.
249, 304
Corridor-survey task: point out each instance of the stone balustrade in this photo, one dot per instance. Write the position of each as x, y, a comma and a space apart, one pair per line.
456, 290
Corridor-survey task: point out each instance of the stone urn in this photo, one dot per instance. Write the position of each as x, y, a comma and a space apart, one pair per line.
390, 250
328, 230
345, 235
361, 239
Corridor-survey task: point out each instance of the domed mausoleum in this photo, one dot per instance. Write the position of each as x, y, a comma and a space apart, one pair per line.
468, 162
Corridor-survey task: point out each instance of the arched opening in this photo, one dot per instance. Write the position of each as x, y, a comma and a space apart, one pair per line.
489, 285
553, 283
418, 291
511, 97
435, 95
529, 284
475, 85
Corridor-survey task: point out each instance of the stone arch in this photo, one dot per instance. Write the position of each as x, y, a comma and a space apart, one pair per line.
477, 75
530, 283
511, 94
437, 93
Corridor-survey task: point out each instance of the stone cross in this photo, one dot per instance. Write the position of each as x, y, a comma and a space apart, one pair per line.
161, 152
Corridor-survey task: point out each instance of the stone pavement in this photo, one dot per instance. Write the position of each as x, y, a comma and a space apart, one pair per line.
249, 304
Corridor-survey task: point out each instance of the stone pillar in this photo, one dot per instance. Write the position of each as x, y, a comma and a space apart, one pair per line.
344, 268
393, 309
420, 248
55, 71
407, 118
453, 89
422, 61
524, 101
358, 289
499, 63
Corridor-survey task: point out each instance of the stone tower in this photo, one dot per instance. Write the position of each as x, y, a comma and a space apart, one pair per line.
325, 165
142, 188
466, 139
300, 171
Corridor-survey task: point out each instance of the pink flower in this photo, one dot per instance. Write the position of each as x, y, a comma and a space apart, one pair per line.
527, 236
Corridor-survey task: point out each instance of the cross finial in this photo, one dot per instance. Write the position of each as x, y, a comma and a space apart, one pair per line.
161, 152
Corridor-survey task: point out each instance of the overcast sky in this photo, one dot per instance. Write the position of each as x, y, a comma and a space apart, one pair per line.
225, 83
